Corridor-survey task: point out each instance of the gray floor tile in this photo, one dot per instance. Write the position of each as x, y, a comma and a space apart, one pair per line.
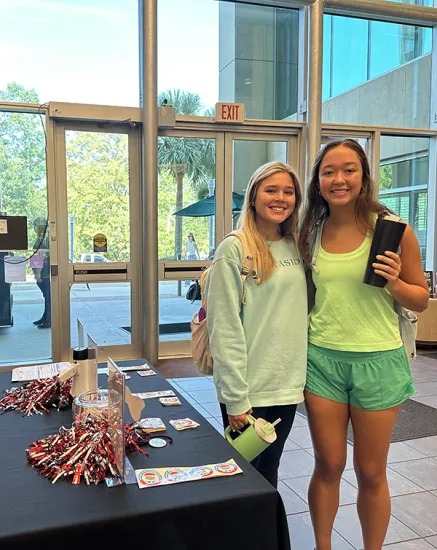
398, 484
187, 396
425, 376
418, 512
172, 382
426, 388
423, 472
214, 422
302, 437
348, 493
417, 544
302, 537
292, 503
432, 540
348, 525
299, 421
295, 464
194, 384
426, 445
291, 445
204, 396
430, 400
401, 452
203, 412
212, 408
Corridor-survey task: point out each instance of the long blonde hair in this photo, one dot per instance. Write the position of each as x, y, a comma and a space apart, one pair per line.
263, 261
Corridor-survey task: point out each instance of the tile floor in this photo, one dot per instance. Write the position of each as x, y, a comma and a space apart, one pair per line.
412, 475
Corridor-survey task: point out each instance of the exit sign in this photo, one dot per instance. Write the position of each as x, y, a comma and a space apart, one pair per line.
229, 112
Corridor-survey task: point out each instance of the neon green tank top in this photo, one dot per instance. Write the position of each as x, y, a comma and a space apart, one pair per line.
349, 315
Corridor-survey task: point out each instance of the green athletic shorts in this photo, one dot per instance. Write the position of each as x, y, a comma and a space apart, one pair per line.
369, 381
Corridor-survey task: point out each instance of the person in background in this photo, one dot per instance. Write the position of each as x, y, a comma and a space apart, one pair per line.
260, 348
191, 249
42, 275
358, 368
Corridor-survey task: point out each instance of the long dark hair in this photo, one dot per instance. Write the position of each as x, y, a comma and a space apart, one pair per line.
317, 208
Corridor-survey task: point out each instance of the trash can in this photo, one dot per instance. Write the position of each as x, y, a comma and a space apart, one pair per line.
6, 319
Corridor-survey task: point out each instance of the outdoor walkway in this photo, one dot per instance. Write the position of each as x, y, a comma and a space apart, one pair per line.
412, 474
104, 310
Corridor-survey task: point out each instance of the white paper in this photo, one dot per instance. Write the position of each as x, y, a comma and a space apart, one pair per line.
3, 227
15, 272
38, 372
152, 394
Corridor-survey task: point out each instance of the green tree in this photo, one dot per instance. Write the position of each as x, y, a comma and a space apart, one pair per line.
98, 191
385, 177
189, 159
23, 188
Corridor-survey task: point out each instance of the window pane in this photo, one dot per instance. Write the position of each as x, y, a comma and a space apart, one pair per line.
400, 44
404, 176
426, 3
327, 59
98, 195
363, 86
25, 305
104, 309
229, 52
175, 311
349, 53
84, 51
186, 198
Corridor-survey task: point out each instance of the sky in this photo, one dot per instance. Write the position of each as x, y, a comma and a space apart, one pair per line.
86, 51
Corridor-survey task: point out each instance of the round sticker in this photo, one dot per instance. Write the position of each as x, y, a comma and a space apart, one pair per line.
201, 471
149, 477
175, 475
157, 442
226, 468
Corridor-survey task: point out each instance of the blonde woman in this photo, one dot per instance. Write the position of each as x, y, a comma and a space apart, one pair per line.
260, 348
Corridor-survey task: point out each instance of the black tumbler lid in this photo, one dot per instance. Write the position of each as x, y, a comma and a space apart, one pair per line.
80, 354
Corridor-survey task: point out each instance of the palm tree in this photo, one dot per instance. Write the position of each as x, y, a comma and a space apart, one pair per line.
191, 158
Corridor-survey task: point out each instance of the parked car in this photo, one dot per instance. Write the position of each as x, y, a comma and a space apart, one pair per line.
86, 258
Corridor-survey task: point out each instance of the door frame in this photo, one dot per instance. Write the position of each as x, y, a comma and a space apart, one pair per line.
225, 137
65, 271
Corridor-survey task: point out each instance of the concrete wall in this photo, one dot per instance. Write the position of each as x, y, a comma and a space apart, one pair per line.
399, 98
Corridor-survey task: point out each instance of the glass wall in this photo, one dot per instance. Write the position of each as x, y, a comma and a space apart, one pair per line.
376, 73
84, 51
403, 185
186, 198
25, 297
228, 52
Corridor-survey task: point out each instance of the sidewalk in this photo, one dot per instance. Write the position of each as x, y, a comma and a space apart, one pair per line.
104, 309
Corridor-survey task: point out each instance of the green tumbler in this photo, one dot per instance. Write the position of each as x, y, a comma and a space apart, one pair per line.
257, 437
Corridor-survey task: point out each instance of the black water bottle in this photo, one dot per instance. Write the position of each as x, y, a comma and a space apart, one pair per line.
387, 236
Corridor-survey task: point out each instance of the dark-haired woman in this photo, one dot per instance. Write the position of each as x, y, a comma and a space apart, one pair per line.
358, 368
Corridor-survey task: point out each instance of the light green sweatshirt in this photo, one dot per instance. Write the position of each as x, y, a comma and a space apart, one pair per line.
259, 356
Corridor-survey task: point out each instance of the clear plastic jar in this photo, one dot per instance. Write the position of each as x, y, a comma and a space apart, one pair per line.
91, 406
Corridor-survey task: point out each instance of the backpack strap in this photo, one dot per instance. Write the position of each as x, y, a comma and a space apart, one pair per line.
247, 267
314, 242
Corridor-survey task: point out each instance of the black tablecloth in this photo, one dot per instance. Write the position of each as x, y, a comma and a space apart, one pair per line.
239, 513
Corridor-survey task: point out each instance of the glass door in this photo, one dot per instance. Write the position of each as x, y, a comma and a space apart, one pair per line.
201, 185
99, 206
190, 217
